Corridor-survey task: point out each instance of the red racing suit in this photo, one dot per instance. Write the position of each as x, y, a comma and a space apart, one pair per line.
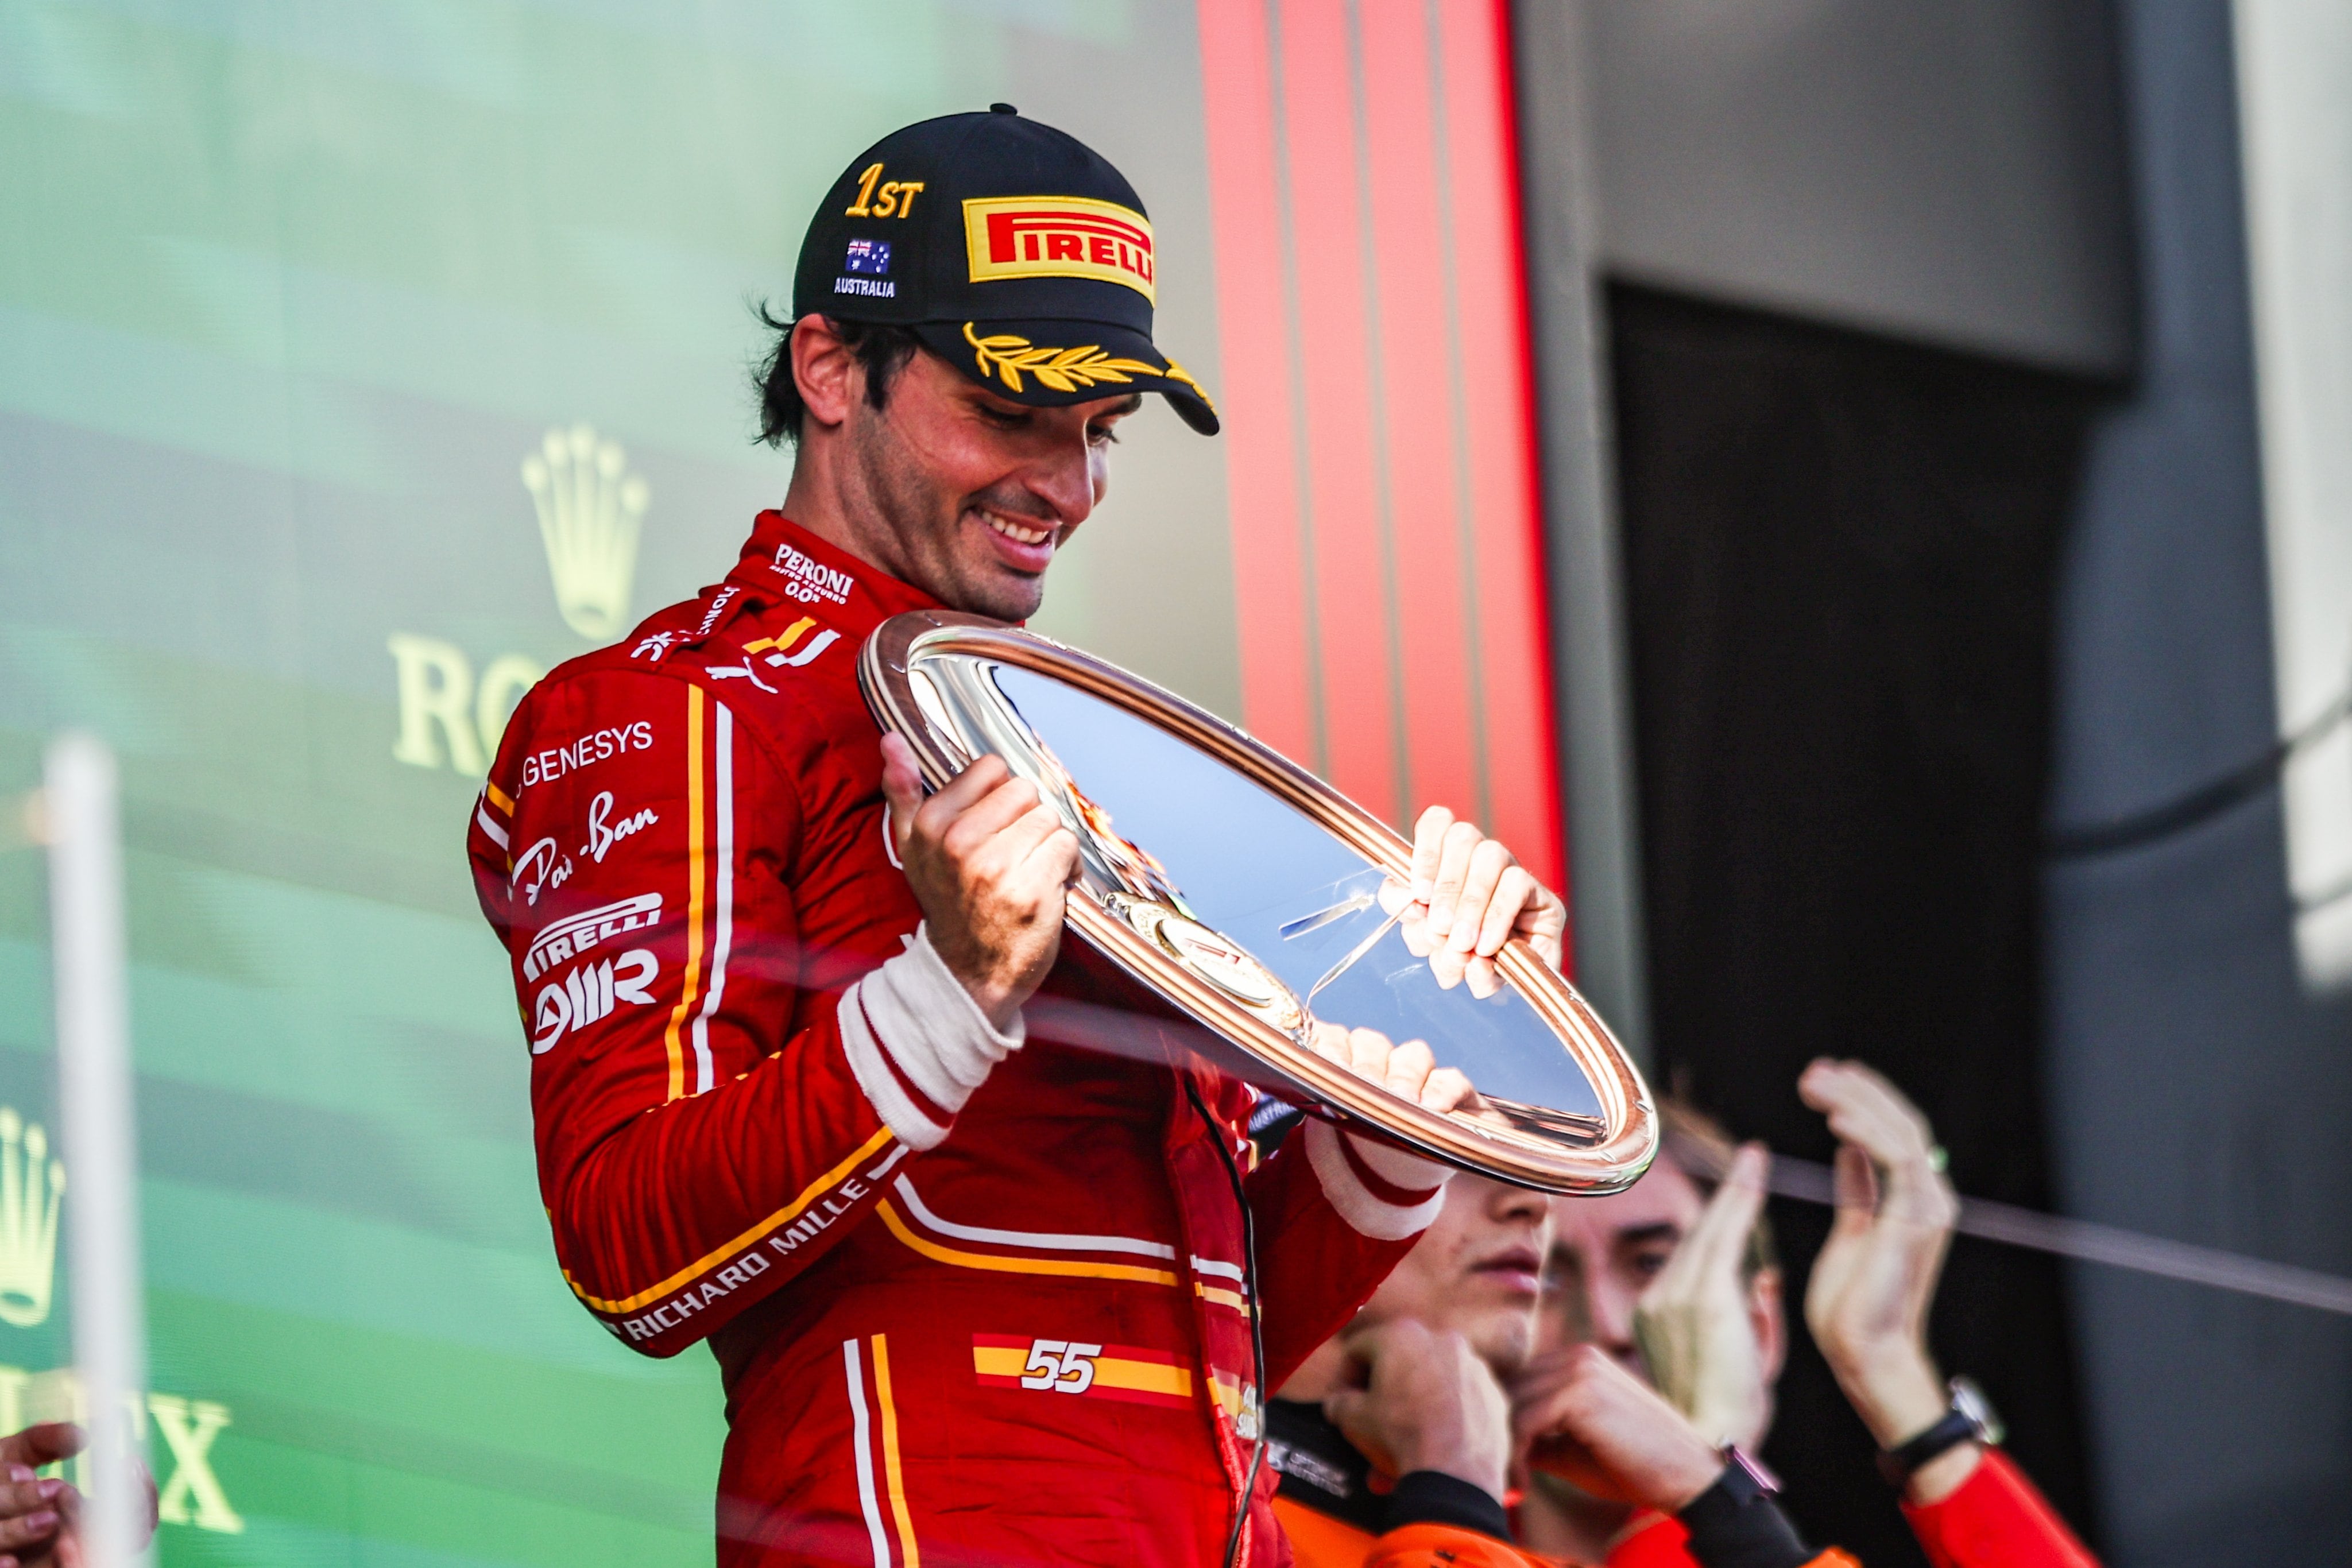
974, 1300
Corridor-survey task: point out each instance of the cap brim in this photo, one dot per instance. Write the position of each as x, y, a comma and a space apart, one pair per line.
1054, 363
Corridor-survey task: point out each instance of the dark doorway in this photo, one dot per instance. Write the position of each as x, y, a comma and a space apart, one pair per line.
1840, 557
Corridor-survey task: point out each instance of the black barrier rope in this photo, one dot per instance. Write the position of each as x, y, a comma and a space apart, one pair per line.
2202, 804
2093, 1243
1254, 1404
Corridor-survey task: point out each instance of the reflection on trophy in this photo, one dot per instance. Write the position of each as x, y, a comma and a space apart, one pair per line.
1144, 896
1265, 894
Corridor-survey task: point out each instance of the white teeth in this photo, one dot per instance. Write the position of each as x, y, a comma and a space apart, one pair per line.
1015, 531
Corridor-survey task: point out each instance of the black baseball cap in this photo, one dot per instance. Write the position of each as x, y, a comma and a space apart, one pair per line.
1015, 251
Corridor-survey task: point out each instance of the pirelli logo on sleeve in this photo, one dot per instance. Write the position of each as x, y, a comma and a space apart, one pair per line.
1058, 236
1120, 1372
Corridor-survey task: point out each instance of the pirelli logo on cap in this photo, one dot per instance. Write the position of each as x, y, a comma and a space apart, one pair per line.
1058, 236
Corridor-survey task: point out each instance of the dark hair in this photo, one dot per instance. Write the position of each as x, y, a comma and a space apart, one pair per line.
883, 349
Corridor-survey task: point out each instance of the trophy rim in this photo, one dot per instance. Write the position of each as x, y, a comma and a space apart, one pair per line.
1627, 1137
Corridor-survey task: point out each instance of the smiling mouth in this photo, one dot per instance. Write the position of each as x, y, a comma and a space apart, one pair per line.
1015, 531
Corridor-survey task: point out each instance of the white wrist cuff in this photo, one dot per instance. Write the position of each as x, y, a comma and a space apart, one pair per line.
1401, 1196
917, 1044
1411, 1172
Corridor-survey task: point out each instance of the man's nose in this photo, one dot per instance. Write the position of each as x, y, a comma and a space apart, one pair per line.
1516, 1206
1612, 1309
1065, 482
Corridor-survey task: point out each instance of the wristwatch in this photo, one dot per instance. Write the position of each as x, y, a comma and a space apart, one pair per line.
1744, 1476
1969, 1420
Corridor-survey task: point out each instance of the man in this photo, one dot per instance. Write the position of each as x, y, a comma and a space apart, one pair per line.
1676, 1286
1394, 1438
1410, 1389
976, 1294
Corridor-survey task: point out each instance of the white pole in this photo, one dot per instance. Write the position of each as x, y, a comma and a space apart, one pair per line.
95, 1110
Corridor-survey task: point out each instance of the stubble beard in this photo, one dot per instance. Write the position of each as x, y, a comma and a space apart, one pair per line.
923, 525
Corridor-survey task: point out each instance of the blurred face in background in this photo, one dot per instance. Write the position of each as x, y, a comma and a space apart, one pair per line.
1477, 1270
1605, 1252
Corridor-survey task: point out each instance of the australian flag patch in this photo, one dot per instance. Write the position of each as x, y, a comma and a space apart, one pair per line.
868, 257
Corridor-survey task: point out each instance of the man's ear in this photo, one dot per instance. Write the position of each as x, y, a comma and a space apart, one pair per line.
1770, 1318
826, 369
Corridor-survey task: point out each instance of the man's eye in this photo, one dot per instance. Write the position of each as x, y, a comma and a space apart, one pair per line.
1103, 435
1004, 419
1647, 1264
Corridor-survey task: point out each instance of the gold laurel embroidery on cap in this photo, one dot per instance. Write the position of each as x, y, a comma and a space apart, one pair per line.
1059, 370
1176, 372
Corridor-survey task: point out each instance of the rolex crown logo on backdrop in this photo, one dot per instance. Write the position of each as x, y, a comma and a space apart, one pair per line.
590, 506
31, 1186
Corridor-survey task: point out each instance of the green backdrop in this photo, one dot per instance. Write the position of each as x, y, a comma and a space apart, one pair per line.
287, 294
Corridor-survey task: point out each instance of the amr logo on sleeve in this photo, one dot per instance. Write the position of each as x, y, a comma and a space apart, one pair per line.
590, 992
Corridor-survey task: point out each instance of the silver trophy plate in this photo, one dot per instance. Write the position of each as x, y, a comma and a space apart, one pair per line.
1246, 892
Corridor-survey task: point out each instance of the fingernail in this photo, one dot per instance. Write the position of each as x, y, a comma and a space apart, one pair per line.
44, 1520
50, 1488
20, 1472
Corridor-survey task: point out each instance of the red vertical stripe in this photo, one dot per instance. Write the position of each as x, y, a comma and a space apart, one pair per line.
1514, 633
1254, 338
1326, 237
1418, 428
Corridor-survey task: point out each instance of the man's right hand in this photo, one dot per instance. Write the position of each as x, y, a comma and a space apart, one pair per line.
1876, 1277
989, 863
1426, 1403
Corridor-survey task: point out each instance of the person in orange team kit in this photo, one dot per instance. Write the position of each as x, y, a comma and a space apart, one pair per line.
1393, 1439
1677, 1286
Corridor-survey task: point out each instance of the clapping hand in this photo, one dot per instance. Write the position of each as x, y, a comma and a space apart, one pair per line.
1696, 1321
1867, 1305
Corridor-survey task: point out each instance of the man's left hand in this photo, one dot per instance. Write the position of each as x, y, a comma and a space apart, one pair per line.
1409, 1070
1587, 1419
1468, 897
